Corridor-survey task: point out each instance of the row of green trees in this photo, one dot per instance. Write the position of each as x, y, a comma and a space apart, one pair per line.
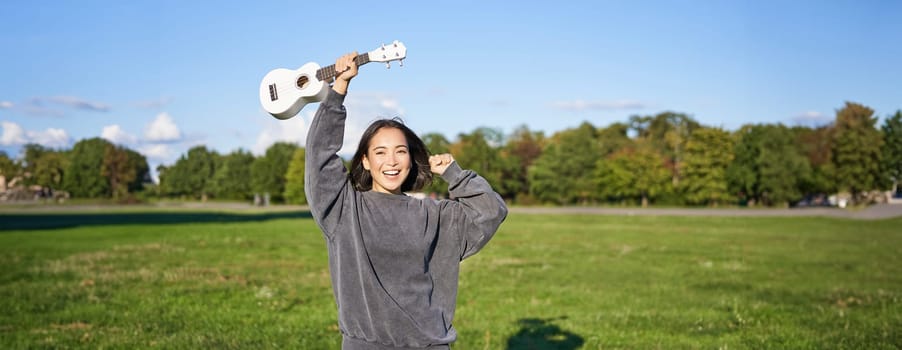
93, 168
667, 158
202, 173
96, 168
671, 158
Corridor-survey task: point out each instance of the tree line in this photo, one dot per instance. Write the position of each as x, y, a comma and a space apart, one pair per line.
93, 168
666, 158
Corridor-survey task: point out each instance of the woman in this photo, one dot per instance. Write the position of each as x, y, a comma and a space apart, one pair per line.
394, 259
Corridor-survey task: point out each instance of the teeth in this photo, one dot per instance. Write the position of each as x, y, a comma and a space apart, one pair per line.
393, 172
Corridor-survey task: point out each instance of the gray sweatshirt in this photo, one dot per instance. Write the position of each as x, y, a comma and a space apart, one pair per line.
394, 259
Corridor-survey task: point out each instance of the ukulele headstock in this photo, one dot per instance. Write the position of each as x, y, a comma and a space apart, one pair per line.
396, 51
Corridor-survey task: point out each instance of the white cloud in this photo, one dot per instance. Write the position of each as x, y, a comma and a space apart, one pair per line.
389, 103
289, 130
353, 133
376, 105
115, 134
811, 118
14, 135
811, 115
162, 129
72, 101
159, 152
51, 137
80, 103
6, 104
581, 105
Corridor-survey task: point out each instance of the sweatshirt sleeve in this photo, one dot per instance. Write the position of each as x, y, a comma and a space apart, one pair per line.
325, 178
478, 210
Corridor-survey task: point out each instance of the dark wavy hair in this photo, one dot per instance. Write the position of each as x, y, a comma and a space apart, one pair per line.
419, 176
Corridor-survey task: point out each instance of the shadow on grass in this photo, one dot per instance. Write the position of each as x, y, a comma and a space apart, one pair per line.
66, 220
542, 334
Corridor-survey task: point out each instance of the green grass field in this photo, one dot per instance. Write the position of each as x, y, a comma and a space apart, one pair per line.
205, 280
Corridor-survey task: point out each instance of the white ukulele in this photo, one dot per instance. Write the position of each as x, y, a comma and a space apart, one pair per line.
284, 92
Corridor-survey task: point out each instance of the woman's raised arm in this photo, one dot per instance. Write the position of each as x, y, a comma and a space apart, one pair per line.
325, 177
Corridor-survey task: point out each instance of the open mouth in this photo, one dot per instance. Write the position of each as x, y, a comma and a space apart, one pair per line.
391, 172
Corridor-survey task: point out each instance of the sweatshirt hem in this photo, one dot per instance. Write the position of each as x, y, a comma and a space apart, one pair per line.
351, 343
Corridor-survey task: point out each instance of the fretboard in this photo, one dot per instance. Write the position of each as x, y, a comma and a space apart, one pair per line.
327, 73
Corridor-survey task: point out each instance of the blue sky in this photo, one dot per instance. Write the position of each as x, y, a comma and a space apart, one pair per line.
163, 76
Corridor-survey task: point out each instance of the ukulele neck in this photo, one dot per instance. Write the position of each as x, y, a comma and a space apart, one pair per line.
328, 73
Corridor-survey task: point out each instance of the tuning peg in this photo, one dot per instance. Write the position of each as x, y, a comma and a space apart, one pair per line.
387, 65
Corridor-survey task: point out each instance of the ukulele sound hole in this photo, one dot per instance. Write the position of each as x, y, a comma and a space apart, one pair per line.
303, 81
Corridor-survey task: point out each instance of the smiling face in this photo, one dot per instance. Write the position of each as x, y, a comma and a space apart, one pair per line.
388, 160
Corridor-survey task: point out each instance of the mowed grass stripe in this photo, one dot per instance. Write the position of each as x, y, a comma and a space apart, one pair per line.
260, 280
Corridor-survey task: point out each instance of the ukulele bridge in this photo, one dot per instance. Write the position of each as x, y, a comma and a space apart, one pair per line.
273, 93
